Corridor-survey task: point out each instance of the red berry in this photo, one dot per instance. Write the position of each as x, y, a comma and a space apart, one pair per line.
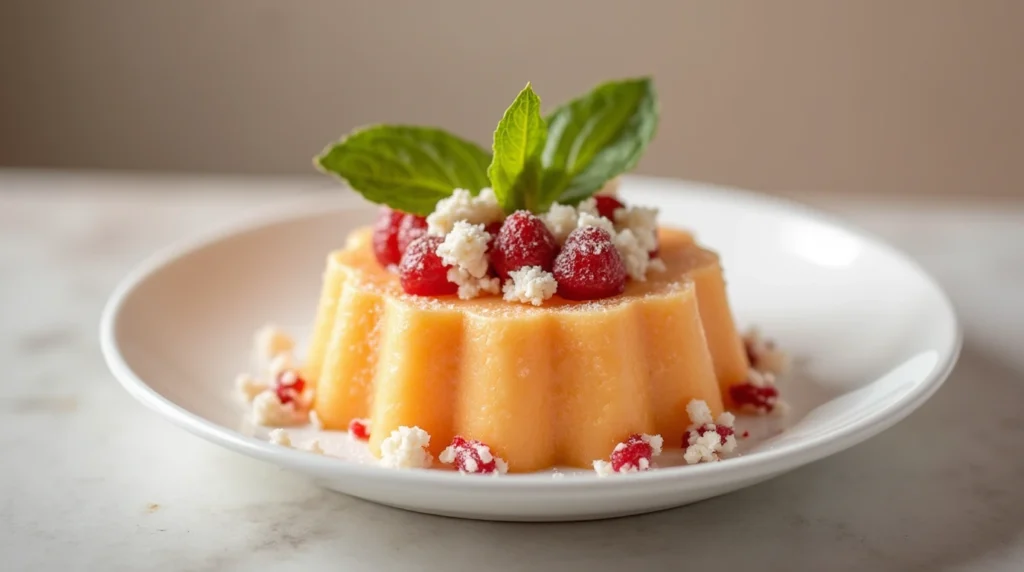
289, 386
411, 228
468, 456
385, 236
723, 432
606, 206
589, 267
421, 271
524, 240
360, 429
493, 228
761, 398
634, 454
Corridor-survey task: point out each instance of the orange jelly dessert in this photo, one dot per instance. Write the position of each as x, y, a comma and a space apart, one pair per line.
508, 312
558, 384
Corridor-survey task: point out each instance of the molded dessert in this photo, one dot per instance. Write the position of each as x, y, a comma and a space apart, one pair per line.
558, 384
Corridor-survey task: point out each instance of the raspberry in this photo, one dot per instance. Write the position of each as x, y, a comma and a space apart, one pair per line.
524, 240
385, 236
289, 386
634, 454
421, 271
589, 266
360, 429
723, 432
472, 456
411, 228
606, 206
759, 398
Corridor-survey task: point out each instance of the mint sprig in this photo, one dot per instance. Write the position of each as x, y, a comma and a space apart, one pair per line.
515, 169
406, 168
536, 161
597, 137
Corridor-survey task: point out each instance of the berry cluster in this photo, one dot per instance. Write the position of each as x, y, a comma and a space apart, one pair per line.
586, 267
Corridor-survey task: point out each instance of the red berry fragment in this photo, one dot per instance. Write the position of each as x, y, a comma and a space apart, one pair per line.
385, 236
607, 205
635, 453
360, 429
589, 267
723, 431
421, 271
494, 228
755, 397
524, 240
411, 228
289, 386
472, 457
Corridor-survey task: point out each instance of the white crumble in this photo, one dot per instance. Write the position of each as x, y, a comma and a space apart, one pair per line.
657, 265
703, 448
699, 412
635, 257
588, 205
470, 286
643, 221
462, 205
314, 420
314, 447
557, 475
248, 387
560, 220
655, 441
451, 453
280, 437
267, 410
587, 219
405, 448
279, 364
603, 468
766, 356
269, 342
610, 189
466, 247
530, 285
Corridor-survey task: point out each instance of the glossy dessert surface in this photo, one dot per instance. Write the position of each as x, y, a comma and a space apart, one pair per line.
558, 384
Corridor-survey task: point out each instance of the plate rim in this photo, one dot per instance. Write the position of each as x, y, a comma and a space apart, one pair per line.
773, 461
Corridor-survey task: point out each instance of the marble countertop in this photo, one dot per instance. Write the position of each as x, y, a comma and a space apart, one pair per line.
93, 481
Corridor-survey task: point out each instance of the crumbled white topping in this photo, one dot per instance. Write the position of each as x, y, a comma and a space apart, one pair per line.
314, 419
655, 441
656, 265
280, 437
530, 285
560, 220
405, 448
462, 205
766, 356
267, 410
643, 221
465, 250
248, 387
279, 364
704, 443
603, 468
703, 448
466, 247
470, 286
557, 475
451, 453
588, 205
587, 219
699, 412
314, 447
760, 378
634, 257
269, 342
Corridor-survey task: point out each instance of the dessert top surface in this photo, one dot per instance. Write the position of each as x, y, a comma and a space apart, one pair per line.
682, 257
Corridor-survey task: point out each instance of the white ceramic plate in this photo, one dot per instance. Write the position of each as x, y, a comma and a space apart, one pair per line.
873, 336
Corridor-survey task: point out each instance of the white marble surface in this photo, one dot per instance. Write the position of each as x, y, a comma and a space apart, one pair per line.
92, 481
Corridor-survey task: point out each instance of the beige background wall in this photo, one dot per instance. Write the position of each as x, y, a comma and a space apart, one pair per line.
888, 96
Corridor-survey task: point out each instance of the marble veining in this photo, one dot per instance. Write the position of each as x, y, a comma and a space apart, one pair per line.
93, 481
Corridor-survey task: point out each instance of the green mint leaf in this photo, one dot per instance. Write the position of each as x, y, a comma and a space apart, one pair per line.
597, 137
515, 169
406, 168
